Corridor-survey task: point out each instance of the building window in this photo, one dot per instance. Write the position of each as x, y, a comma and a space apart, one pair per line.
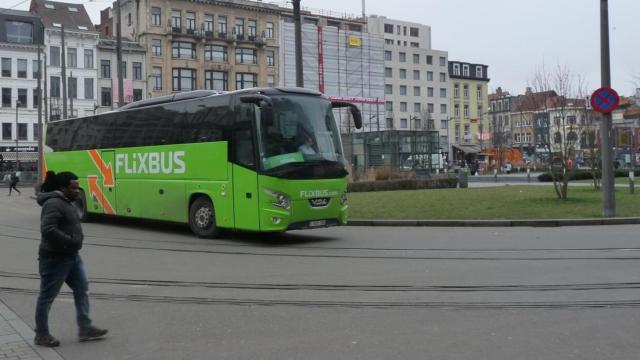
414, 44
466, 111
429, 92
456, 69
6, 131
246, 56
21, 100
252, 28
403, 57
55, 87
388, 41
156, 16
222, 24
88, 88
270, 58
216, 80
184, 79
19, 32
429, 60
403, 73
208, 23
72, 87
443, 108
388, 105
388, 72
137, 70
429, 75
417, 107
156, 47
388, 89
456, 110
403, 90
246, 80
157, 78
137, 94
176, 20
414, 32
456, 90
416, 74
183, 50
465, 91
403, 106
388, 28
416, 91
416, 58
72, 57
105, 69
271, 81
479, 92
430, 108
124, 69
465, 70
239, 28
443, 92
387, 55
269, 30
443, 125
22, 131
389, 123
36, 132
6, 67
105, 96
191, 21
34, 97
22, 68
215, 53
35, 69
479, 72
88, 59
443, 61
443, 77
403, 123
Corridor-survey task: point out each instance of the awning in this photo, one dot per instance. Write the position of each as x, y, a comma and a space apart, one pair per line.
468, 149
22, 156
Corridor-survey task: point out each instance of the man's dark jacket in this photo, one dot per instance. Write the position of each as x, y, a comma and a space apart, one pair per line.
59, 225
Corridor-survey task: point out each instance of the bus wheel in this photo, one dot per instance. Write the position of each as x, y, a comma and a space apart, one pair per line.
81, 207
202, 219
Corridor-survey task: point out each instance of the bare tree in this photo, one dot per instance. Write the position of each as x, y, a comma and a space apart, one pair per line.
588, 138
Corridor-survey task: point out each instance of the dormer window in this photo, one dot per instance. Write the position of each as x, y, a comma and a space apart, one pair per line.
465, 70
479, 72
456, 69
58, 25
83, 28
73, 9
49, 6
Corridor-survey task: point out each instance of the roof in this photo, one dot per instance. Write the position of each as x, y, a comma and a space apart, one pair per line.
61, 14
12, 12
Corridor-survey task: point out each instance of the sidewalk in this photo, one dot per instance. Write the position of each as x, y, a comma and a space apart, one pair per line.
16, 339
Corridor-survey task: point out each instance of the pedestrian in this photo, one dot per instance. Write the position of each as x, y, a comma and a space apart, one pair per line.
15, 179
59, 262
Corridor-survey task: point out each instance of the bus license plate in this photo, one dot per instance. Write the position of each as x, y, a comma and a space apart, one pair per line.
317, 223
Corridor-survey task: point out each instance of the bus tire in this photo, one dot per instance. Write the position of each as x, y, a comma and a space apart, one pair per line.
202, 218
81, 207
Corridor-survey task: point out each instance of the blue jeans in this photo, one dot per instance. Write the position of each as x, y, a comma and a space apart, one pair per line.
54, 271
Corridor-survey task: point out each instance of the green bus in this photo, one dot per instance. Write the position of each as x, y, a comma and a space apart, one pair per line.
266, 160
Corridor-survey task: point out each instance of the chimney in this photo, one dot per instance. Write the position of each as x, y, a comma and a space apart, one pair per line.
529, 91
499, 90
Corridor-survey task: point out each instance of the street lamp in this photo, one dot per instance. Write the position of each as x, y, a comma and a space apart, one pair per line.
18, 103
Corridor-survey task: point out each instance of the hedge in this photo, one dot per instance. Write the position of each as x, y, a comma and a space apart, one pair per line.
404, 184
582, 175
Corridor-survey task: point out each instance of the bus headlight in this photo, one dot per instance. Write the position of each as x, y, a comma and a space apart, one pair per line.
280, 200
343, 198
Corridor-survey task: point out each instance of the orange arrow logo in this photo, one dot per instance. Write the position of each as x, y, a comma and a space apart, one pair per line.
97, 194
105, 170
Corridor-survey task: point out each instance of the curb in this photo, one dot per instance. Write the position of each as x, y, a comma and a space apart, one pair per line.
497, 223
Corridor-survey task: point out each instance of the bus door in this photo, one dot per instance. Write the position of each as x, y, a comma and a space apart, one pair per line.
245, 177
107, 181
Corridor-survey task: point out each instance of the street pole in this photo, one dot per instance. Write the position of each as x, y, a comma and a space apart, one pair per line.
298, 41
119, 55
40, 141
608, 195
17, 160
64, 75
46, 89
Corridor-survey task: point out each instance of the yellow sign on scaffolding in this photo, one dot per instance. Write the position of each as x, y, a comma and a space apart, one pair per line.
355, 41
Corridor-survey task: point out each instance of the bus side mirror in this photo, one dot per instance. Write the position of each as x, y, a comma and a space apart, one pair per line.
355, 112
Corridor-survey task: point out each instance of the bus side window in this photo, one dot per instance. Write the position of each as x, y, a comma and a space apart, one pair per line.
243, 140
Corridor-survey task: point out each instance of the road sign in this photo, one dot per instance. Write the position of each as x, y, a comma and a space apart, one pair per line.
605, 100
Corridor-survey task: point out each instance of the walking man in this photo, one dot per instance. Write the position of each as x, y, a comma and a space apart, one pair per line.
15, 178
58, 259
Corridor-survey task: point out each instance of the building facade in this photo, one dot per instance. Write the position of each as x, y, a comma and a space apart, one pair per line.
80, 40
340, 60
469, 115
218, 45
416, 78
19, 39
134, 73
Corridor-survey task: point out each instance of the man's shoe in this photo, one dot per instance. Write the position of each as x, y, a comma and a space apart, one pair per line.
92, 333
46, 340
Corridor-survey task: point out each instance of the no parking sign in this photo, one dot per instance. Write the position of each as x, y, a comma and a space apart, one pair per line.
605, 100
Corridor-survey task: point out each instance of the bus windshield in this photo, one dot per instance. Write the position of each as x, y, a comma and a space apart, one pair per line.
303, 130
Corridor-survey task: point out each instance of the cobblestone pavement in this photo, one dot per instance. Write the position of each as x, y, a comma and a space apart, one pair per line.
16, 339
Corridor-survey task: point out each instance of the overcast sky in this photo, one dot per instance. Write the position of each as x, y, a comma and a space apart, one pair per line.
513, 37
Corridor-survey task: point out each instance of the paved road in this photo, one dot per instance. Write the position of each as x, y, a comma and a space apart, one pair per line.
341, 293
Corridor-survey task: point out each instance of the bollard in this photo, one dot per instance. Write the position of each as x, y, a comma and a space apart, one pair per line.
631, 182
495, 174
528, 175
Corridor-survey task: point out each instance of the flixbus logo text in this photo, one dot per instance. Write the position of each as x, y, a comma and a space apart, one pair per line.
167, 162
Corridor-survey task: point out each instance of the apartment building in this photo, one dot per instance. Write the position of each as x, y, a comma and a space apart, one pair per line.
415, 77
19, 39
469, 119
81, 40
218, 45
500, 105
